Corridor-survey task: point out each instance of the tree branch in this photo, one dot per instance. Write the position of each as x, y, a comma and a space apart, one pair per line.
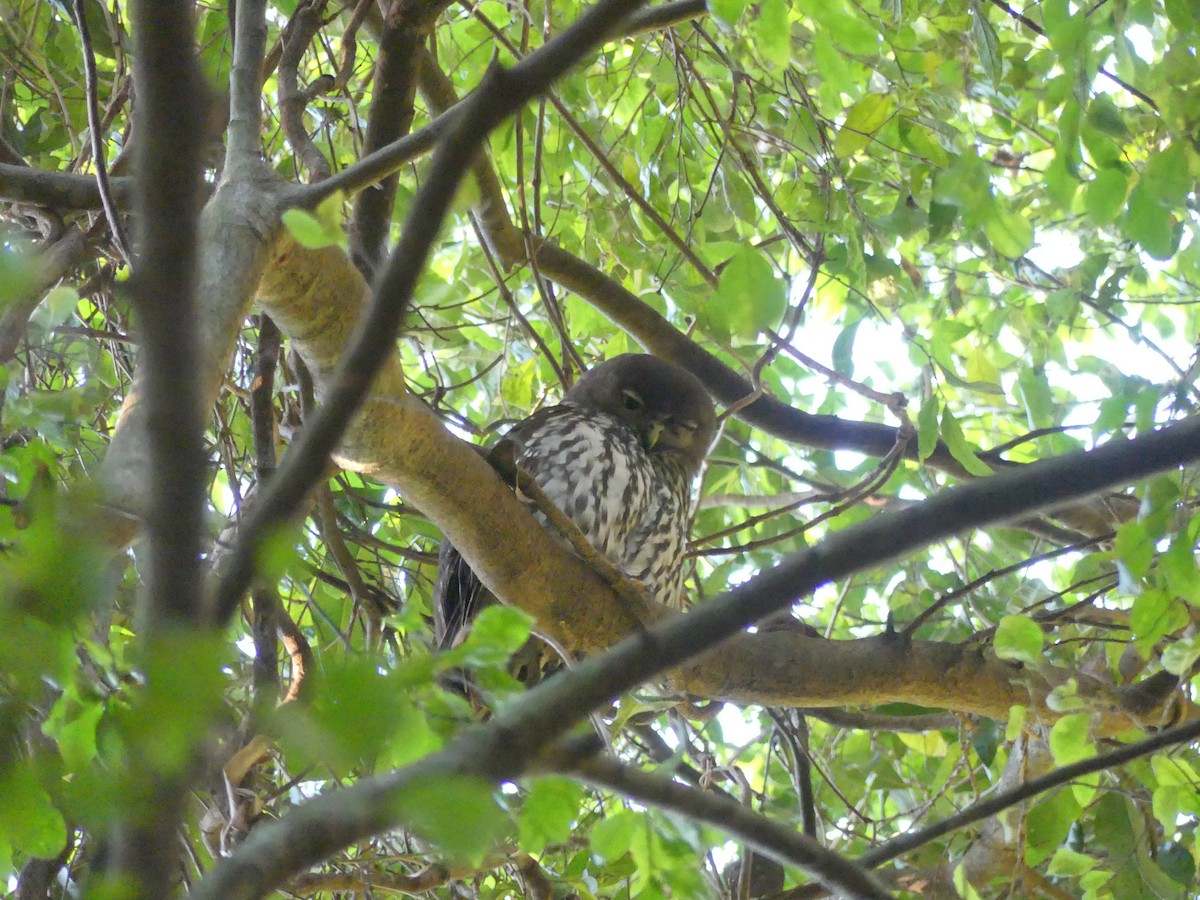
94, 129
58, 190
245, 85
501, 95
985, 809
167, 200
405, 27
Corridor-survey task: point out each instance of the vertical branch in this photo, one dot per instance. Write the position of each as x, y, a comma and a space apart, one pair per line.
301, 29
92, 89
404, 30
265, 598
144, 848
245, 83
167, 197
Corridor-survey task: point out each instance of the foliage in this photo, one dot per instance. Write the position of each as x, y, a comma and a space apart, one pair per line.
984, 213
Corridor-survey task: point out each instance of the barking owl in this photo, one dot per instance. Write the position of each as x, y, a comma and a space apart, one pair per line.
619, 457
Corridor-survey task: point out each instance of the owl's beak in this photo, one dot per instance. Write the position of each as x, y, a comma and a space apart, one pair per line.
653, 433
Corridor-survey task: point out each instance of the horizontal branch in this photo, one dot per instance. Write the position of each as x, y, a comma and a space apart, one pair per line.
59, 190
388, 159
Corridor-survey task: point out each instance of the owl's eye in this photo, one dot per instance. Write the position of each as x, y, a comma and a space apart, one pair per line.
631, 400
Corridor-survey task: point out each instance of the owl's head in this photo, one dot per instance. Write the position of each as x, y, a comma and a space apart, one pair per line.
666, 405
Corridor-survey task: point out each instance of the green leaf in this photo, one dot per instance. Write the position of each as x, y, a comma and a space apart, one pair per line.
1183, 15
1071, 739
749, 298
773, 32
1150, 223
28, 820
58, 306
1019, 638
320, 228
612, 836
1048, 824
1149, 619
1069, 864
729, 10
865, 118
1134, 548
1104, 196
1166, 177
1009, 232
927, 427
1179, 658
958, 446
1017, 715
456, 812
549, 813
987, 45
496, 634
72, 726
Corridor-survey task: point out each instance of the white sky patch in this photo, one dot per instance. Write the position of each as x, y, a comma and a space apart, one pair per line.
1056, 250
1142, 41
737, 726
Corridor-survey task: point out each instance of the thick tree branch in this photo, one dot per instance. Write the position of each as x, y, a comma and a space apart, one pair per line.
234, 233
313, 297
501, 94
167, 201
245, 85
169, 169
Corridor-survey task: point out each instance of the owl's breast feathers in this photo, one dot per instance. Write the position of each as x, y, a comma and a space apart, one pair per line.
632, 505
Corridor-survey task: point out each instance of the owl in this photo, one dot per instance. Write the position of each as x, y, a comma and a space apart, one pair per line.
619, 456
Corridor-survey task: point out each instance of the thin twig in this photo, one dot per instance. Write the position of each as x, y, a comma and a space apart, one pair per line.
92, 88
985, 809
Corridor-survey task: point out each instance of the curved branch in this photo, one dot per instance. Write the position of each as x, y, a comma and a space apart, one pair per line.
94, 128
663, 339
